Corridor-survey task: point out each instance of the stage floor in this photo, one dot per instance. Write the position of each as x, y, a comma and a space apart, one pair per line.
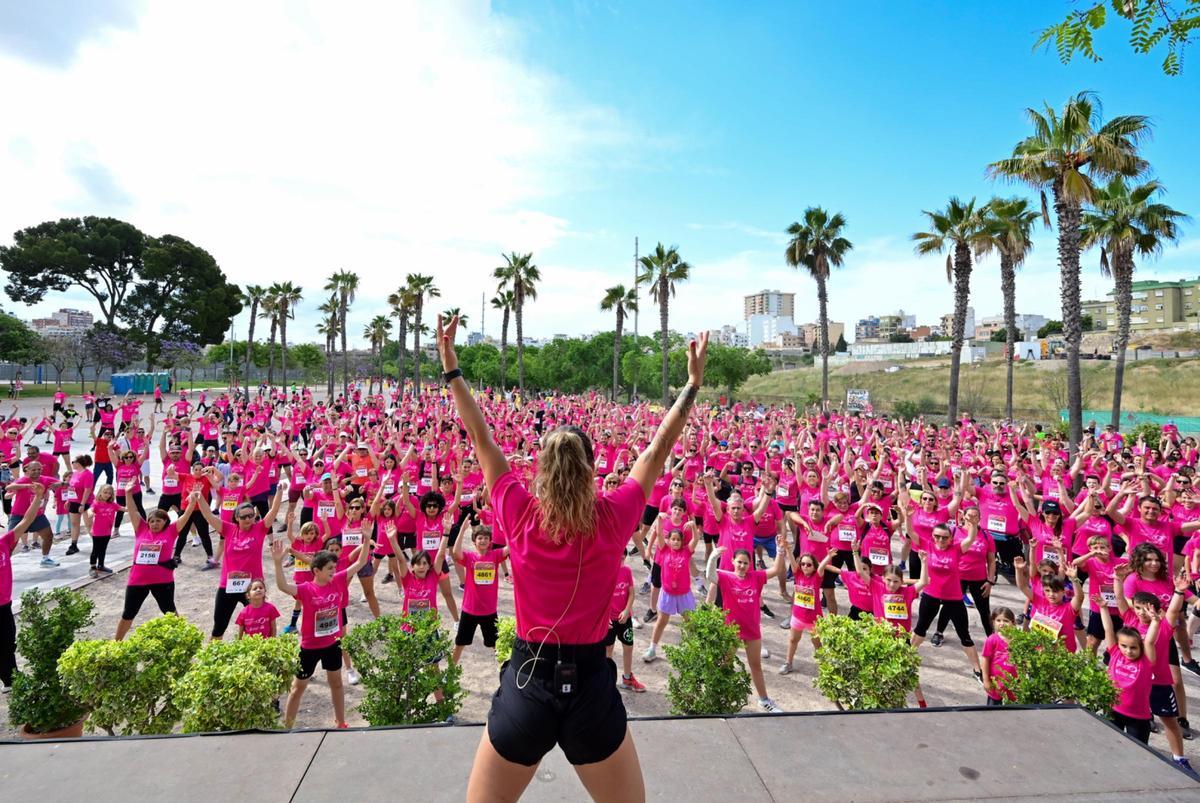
1014, 754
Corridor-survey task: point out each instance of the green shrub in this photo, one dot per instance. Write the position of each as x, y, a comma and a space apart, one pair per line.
233, 684
906, 409
1048, 675
506, 634
395, 656
1150, 431
706, 676
861, 664
128, 685
48, 623
927, 405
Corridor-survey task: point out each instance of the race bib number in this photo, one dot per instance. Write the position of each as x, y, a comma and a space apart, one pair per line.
170, 483
418, 605
228, 504
430, 541
602, 462
879, 556
485, 573
147, 554
412, 487
72, 496
389, 489
301, 565
894, 607
466, 499
326, 621
1041, 623
997, 524
805, 598
818, 536
1050, 554
427, 482
846, 535
237, 583
1109, 598
325, 511
360, 472
352, 537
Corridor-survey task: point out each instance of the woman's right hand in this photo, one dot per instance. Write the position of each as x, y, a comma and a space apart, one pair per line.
697, 357
445, 344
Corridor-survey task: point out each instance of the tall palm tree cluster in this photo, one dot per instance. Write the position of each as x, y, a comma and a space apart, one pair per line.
276, 305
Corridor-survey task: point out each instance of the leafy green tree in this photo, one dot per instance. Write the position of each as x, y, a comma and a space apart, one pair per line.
729, 367
18, 343
519, 274
841, 347
309, 358
818, 245
1047, 674
1000, 336
1126, 221
861, 665
662, 271
706, 676
621, 301
100, 255
1066, 153
1152, 23
1009, 232
182, 295
401, 303
1050, 328
958, 230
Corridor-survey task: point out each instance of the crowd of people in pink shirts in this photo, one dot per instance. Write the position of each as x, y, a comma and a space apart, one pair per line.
915, 521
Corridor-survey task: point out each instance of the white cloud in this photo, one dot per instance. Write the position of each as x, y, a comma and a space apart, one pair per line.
295, 140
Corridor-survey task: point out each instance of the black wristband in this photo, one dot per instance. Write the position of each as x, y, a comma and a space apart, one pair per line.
450, 376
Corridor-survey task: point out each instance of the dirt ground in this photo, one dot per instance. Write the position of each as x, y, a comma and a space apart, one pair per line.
945, 674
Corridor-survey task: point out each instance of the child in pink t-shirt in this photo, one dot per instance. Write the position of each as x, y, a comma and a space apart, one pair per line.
257, 618
620, 627
807, 575
1130, 658
997, 669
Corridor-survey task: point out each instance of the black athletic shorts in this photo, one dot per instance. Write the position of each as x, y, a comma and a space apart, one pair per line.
656, 575
329, 657
528, 718
619, 632
467, 623
649, 514
712, 538
1162, 701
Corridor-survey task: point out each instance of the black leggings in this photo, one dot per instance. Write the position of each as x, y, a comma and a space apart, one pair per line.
198, 521
1009, 548
982, 604
1137, 728
8, 643
137, 503
99, 550
929, 608
164, 595
914, 565
223, 610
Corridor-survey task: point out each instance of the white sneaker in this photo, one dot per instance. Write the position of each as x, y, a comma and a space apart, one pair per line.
650, 655
786, 669
768, 705
786, 624
766, 654
636, 622
362, 598
353, 677
195, 540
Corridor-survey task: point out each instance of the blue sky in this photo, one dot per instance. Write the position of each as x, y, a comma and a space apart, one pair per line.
389, 139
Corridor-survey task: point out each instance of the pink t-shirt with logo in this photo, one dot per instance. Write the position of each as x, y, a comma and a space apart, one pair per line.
620, 594
1133, 679
321, 611
995, 649
149, 549
242, 560
741, 597
257, 621
479, 596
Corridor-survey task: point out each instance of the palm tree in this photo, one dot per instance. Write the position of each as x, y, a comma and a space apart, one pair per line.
450, 313
1125, 221
958, 230
401, 303
818, 244
503, 300
623, 302
287, 296
661, 270
344, 284
270, 312
421, 287
1064, 155
255, 295
376, 333
521, 275
329, 327
1009, 230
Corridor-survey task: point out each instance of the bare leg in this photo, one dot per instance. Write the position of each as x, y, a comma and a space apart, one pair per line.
616, 778
660, 625
458, 650
47, 540
831, 604
793, 643
496, 780
368, 587
754, 659
627, 659
448, 595
293, 702
337, 693
1180, 696
123, 626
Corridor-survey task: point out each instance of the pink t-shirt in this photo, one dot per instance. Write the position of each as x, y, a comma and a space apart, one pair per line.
242, 560
943, 573
995, 649
479, 596
6, 546
735, 535
676, 569
1100, 582
806, 597
103, 516
547, 575
321, 611
257, 621
895, 608
1161, 533
620, 594
420, 593
1161, 675
858, 591
149, 549
1133, 678
741, 597
1057, 620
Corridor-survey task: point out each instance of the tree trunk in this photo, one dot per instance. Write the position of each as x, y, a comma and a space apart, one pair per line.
271, 354
662, 321
283, 313
823, 320
1123, 281
417, 345
519, 299
1008, 289
250, 338
403, 347
1069, 217
345, 354
504, 351
617, 352
962, 292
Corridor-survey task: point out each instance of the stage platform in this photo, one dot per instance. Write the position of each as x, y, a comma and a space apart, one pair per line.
972, 754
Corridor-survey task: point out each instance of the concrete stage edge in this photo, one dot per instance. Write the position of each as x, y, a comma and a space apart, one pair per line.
939, 754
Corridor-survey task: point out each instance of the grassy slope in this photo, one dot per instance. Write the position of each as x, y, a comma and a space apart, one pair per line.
1151, 386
